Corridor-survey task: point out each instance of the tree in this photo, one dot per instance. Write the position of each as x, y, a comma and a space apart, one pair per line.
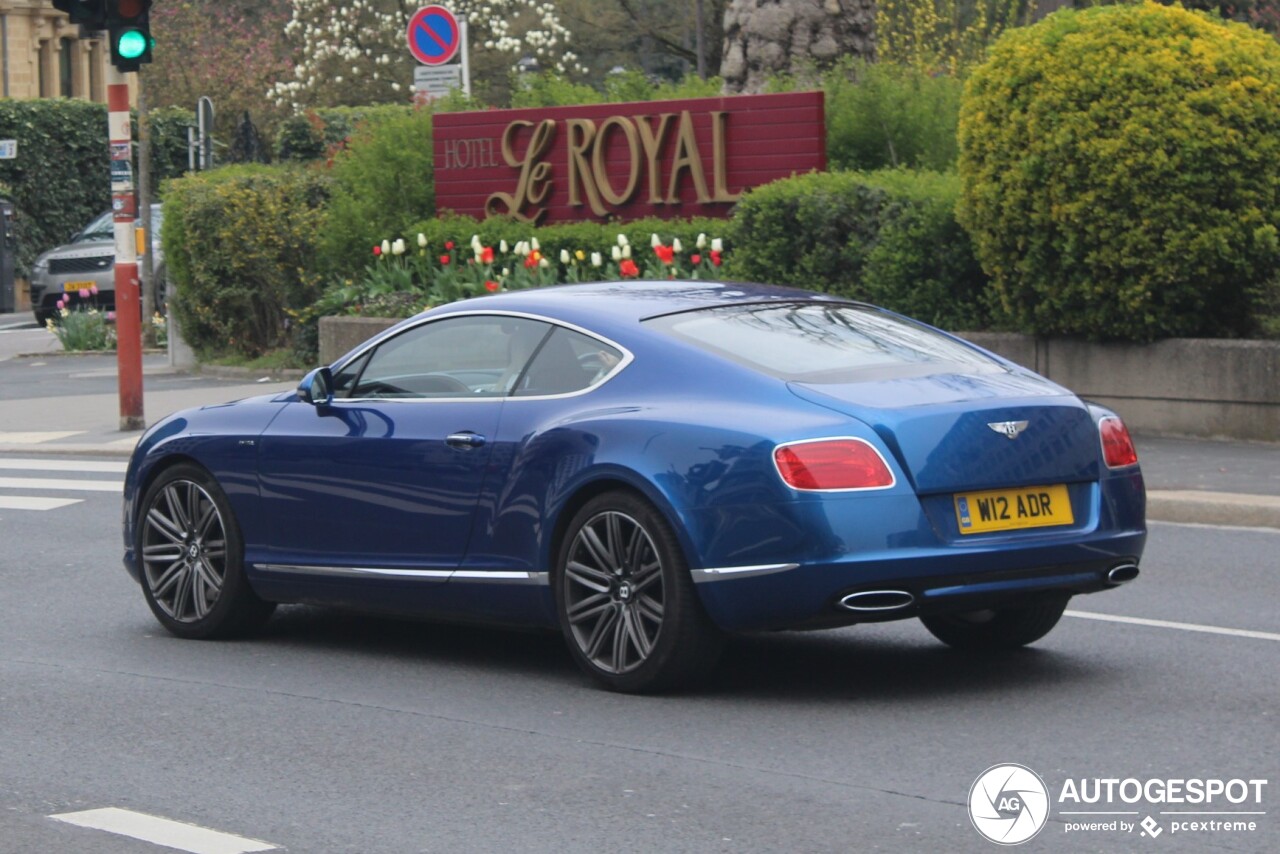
232, 52
355, 53
763, 38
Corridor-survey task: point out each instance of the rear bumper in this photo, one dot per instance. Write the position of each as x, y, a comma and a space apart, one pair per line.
934, 581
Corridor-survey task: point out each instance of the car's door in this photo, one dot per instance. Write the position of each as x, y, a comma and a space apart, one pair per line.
384, 480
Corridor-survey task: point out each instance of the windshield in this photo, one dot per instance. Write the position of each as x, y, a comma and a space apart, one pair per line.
103, 228
823, 343
100, 229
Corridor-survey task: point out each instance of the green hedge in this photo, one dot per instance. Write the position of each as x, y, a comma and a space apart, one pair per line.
1121, 171
315, 134
383, 181
60, 179
240, 247
886, 237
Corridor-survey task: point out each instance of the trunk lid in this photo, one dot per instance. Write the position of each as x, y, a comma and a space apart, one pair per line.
953, 431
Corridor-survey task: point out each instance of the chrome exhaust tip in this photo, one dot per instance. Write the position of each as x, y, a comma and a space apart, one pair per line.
1122, 573
877, 600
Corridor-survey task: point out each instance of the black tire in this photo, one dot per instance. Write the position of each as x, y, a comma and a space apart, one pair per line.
625, 599
1003, 628
192, 558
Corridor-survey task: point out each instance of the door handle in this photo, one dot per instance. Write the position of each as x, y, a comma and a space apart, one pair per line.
464, 440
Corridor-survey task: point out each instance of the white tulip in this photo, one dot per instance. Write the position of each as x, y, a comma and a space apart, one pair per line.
534, 244
502, 246
675, 245
564, 256
717, 245
654, 241
626, 251
702, 241
422, 240
596, 260
622, 240
386, 247
617, 253
543, 263
397, 248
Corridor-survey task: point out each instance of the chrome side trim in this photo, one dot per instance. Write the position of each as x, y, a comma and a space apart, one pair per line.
502, 576
388, 573
722, 573
361, 571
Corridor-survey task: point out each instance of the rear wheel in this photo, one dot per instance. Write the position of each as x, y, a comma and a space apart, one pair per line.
191, 553
626, 600
1000, 628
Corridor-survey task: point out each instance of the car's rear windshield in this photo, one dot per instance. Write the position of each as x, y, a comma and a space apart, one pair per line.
822, 342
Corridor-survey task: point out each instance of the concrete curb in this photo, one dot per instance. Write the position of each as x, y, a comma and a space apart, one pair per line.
1214, 508
227, 372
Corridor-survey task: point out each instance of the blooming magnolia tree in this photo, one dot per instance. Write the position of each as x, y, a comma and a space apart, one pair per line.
355, 52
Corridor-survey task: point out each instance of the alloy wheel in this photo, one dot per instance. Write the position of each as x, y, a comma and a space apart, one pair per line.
184, 551
614, 593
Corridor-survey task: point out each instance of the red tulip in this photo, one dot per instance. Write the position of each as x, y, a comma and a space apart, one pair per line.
628, 268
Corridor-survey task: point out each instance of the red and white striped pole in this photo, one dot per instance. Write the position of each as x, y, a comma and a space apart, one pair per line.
124, 204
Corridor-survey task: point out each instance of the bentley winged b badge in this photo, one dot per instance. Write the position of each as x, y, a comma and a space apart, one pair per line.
1009, 429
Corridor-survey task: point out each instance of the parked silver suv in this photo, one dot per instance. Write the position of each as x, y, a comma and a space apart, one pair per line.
86, 262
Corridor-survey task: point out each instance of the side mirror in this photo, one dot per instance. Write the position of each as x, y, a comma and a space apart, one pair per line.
316, 387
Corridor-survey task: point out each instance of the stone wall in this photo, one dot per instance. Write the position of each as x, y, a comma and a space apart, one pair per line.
767, 37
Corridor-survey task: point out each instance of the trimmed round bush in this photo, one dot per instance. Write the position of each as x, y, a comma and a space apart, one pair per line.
1121, 172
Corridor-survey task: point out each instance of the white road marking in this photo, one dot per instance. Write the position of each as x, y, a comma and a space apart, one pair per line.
22, 502
163, 831
1166, 624
34, 438
64, 465
61, 484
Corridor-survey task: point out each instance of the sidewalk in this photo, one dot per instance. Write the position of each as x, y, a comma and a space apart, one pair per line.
1188, 480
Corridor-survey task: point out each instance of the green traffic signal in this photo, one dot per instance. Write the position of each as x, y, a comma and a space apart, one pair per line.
131, 44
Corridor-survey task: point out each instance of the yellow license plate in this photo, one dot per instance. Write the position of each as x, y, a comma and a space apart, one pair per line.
1011, 509
77, 286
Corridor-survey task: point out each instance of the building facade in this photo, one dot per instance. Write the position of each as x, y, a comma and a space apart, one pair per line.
43, 56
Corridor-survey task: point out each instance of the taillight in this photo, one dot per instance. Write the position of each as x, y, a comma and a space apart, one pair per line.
1117, 445
832, 464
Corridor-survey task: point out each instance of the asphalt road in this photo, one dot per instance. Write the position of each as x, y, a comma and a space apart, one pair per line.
335, 732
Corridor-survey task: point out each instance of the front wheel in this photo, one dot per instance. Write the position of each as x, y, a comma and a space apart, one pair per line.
1000, 628
192, 558
626, 600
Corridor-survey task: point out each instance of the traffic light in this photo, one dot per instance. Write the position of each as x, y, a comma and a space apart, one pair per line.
128, 28
90, 14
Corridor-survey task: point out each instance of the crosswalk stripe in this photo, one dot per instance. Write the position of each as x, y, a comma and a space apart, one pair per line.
23, 502
164, 831
64, 465
61, 484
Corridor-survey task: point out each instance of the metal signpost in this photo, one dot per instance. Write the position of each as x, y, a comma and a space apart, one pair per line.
435, 36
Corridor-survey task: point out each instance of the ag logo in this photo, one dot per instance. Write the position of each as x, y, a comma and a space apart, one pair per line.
1008, 804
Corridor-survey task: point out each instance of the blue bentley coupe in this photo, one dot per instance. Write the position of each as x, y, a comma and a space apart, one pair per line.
646, 467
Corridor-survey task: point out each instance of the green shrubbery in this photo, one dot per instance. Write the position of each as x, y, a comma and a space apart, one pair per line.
316, 134
240, 248
382, 183
59, 180
887, 237
881, 115
1121, 171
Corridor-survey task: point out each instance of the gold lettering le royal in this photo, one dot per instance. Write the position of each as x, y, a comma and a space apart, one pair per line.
588, 174
535, 175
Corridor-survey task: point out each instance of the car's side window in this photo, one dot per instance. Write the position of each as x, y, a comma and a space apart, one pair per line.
568, 361
471, 356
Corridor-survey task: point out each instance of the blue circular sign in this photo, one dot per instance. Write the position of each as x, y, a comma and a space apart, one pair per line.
433, 35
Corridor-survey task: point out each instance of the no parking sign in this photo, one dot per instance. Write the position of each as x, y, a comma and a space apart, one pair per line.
434, 35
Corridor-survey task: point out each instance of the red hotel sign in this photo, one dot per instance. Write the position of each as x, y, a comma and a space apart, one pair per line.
655, 158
